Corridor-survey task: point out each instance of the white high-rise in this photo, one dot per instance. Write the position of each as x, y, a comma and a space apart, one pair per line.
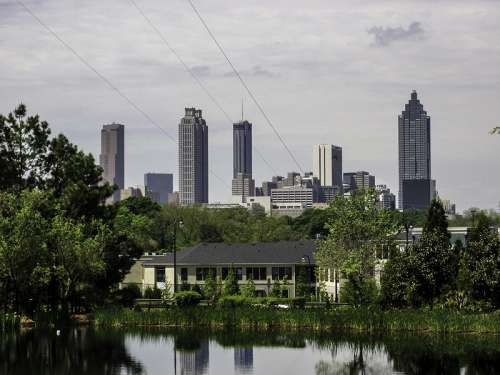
327, 165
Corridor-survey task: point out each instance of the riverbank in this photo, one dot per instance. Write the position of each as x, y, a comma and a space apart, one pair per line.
318, 320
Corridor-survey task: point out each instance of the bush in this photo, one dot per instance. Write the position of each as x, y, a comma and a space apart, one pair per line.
235, 301
127, 295
297, 302
358, 291
151, 293
185, 299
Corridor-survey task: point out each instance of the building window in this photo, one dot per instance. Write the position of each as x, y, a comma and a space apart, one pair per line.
238, 271
256, 273
160, 274
184, 274
202, 273
281, 273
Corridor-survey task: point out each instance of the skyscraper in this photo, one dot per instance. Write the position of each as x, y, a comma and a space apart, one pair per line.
327, 165
158, 186
112, 157
416, 189
193, 158
242, 184
358, 180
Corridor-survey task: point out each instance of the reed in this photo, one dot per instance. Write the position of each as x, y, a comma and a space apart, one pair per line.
363, 320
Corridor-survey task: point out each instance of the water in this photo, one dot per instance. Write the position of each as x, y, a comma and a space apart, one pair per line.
95, 351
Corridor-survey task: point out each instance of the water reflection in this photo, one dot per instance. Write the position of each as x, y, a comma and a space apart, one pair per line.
95, 351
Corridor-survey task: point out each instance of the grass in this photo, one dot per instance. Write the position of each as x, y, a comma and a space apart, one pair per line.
363, 320
8, 321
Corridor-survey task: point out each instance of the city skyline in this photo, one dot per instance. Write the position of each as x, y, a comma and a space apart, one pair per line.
361, 72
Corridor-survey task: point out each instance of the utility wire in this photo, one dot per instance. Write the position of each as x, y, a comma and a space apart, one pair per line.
192, 74
266, 117
104, 79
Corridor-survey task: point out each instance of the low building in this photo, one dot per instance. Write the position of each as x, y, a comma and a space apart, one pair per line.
130, 192
263, 262
291, 209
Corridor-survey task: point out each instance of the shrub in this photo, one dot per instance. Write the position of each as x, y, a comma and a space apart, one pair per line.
184, 299
231, 286
297, 302
127, 295
234, 301
359, 291
151, 293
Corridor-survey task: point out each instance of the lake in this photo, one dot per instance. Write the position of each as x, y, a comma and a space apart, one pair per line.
153, 351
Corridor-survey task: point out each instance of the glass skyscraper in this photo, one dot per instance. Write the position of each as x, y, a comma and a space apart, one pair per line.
416, 189
193, 158
242, 185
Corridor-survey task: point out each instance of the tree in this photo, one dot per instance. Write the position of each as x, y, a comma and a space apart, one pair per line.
496, 130
358, 291
248, 289
24, 142
276, 289
482, 262
210, 288
301, 285
358, 230
231, 286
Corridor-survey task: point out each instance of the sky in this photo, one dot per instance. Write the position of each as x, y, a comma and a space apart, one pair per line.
324, 71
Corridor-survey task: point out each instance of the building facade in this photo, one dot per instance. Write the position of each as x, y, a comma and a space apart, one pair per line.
386, 199
112, 157
327, 164
358, 180
242, 185
193, 158
159, 186
414, 128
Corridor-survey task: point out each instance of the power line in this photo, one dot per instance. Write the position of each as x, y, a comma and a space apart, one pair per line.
245, 85
104, 79
192, 74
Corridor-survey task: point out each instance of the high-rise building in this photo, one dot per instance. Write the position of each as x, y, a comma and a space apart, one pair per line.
193, 158
358, 180
112, 157
242, 185
327, 164
386, 199
415, 156
158, 186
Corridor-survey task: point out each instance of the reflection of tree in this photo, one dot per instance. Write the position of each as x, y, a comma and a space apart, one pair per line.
76, 351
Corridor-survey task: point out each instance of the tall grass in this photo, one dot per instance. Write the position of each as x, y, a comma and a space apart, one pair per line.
8, 321
365, 320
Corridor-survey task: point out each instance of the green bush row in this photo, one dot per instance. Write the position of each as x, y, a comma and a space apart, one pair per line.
241, 301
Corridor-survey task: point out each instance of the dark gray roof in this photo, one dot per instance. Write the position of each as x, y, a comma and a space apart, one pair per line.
282, 252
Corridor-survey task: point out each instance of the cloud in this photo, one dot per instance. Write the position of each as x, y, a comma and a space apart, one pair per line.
386, 35
201, 70
256, 71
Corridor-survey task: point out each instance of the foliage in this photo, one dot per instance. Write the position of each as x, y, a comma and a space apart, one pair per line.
358, 229
358, 291
231, 286
276, 290
481, 261
234, 301
127, 295
166, 293
301, 284
210, 288
152, 293
248, 289
186, 299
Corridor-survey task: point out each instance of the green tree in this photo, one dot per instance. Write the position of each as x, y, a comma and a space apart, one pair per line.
24, 142
210, 287
358, 230
276, 289
301, 283
231, 286
481, 261
358, 291
496, 130
248, 289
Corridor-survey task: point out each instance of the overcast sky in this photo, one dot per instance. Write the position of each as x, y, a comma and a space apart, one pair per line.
325, 71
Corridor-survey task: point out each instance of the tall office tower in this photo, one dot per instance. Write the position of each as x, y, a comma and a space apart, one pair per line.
242, 185
158, 186
416, 189
112, 157
193, 158
327, 164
